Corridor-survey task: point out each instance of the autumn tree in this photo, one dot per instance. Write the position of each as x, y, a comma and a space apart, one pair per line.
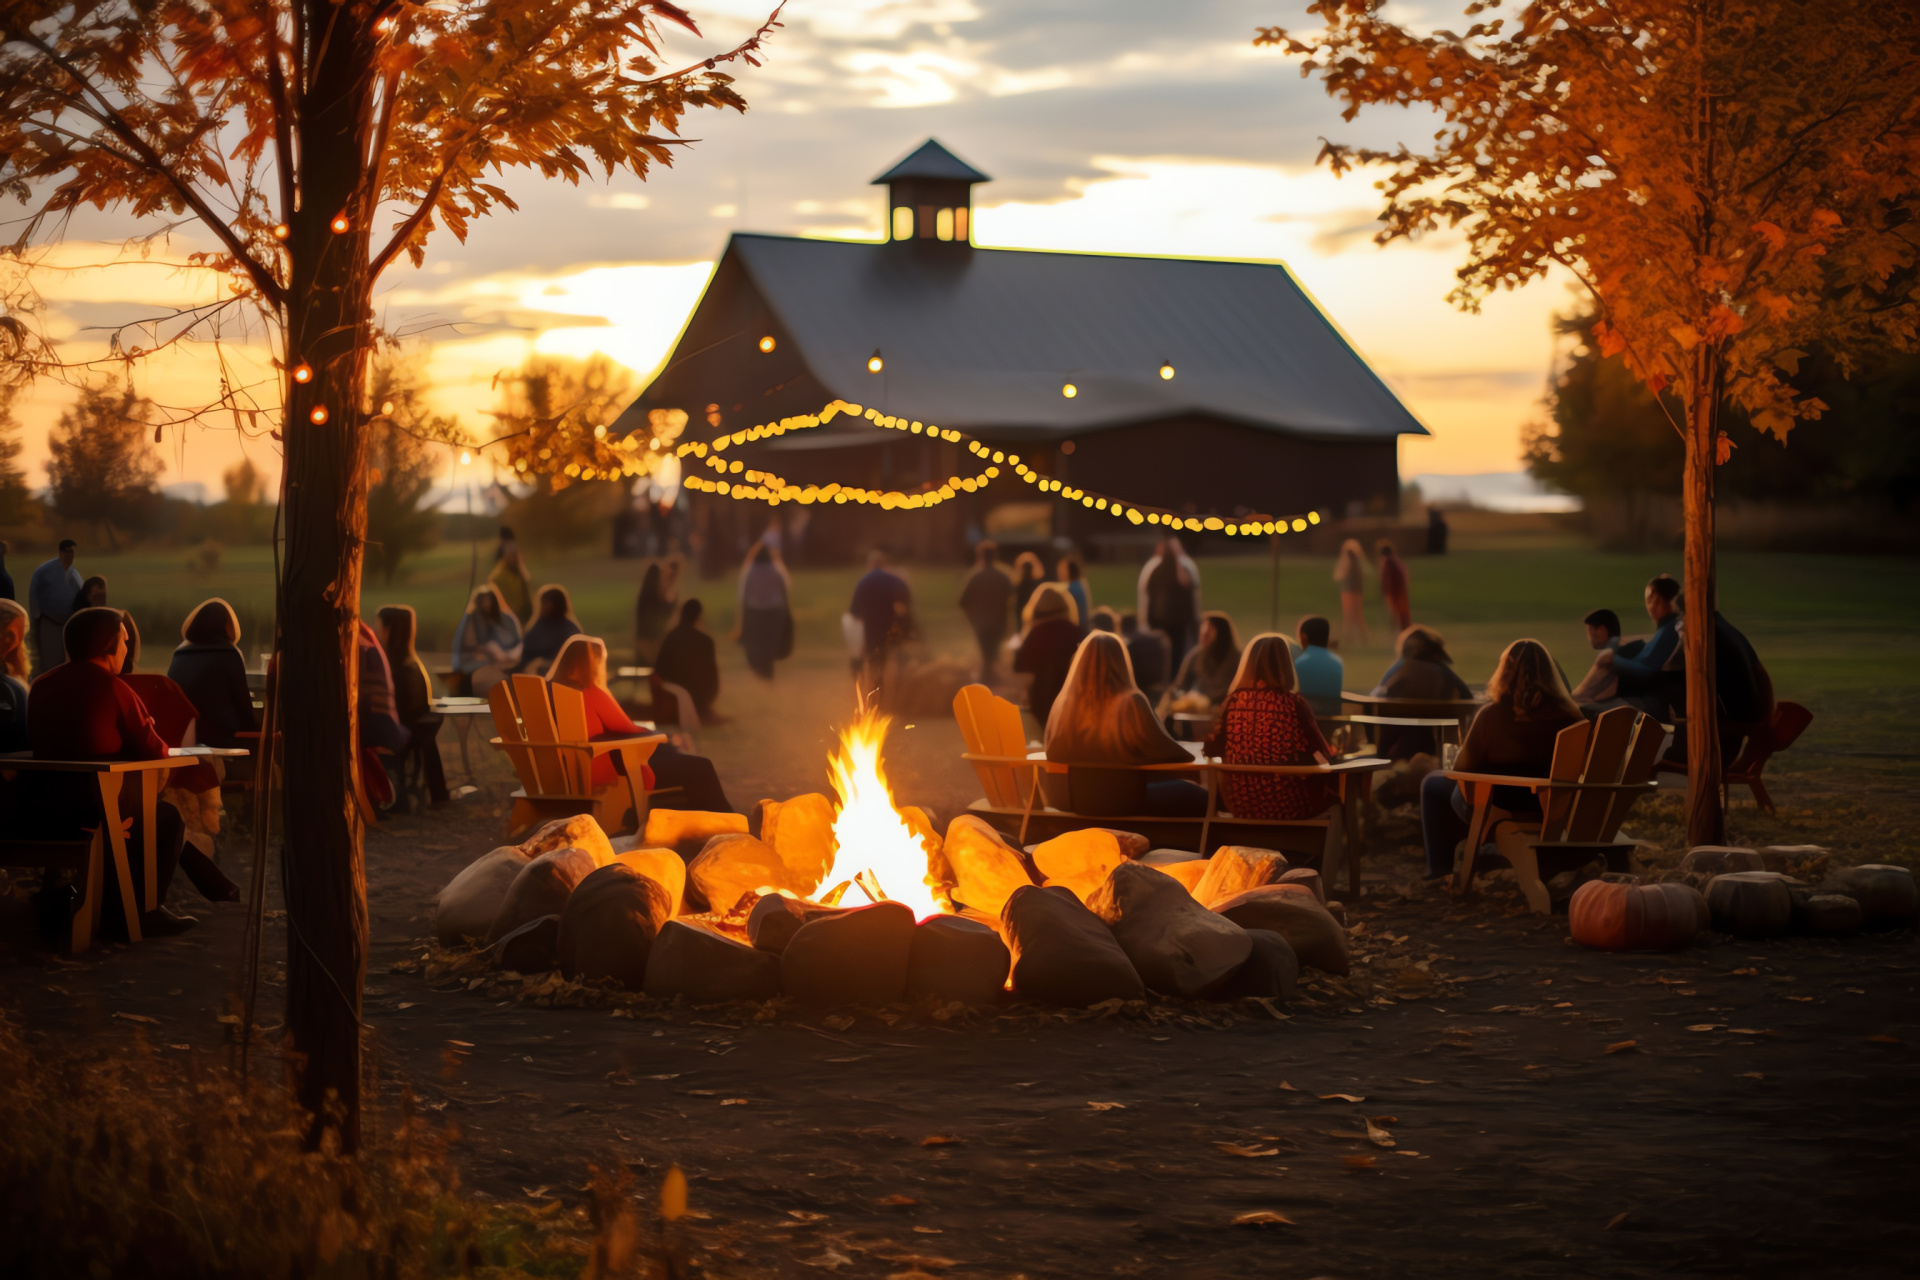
13, 477
312, 144
407, 446
1732, 181
243, 483
101, 464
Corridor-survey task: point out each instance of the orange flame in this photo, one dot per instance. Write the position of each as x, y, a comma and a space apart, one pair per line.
874, 845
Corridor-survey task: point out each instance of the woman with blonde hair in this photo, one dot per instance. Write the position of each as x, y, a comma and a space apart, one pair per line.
582, 665
1350, 571
1264, 720
13, 683
208, 667
1527, 707
1100, 724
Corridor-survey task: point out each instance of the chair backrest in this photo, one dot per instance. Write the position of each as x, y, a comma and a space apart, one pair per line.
1620, 748
544, 730
991, 726
1789, 721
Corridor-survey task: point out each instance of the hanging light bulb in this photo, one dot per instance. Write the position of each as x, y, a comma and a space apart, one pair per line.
301, 373
1069, 391
386, 406
466, 457
1166, 370
767, 343
339, 224
281, 231
319, 415
874, 363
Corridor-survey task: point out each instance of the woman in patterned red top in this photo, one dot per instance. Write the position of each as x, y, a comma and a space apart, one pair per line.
1265, 721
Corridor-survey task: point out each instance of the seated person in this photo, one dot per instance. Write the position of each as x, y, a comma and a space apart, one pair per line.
1527, 707
194, 789
1047, 648
1105, 619
1207, 671
687, 659
1318, 667
1265, 720
381, 733
582, 665
209, 669
553, 625
1743, 689
1150, 654
1644, 679
13, 687
413, 702
83, 710
1424, 671
1102, 719
486, 642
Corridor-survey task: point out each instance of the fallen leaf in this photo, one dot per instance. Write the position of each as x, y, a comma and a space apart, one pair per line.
1534, 1066
409, 1004
733, 1102
673, 1195
138, 1017
1360, 1162
535, 1193
897, 1200
940, 1140
1250, 1153
1411, 1080
1623, 1046
1750, 1075
1747, 1031
1617, 1219
461, 1044
231, 1019
1340, 1097
1706, 1026
1801, 999
830, 1259
181, 1047
1108, 1106
1745, 973
928, 1231
806, 1215
1376, 1135
1854, 991
1885, 1039
702, 1093
1262, 1218
1415, 1154
1284, 1085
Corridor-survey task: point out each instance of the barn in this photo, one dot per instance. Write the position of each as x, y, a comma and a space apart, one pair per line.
1192, 387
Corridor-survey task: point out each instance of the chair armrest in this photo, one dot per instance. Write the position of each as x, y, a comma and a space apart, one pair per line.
601, 746
1509, 780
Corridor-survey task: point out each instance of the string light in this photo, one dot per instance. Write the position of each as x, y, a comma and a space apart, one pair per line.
767, 343
874, 363
281, 231
1166, 370
319, 415
1069, 391
339, 224
302, 373
386, 407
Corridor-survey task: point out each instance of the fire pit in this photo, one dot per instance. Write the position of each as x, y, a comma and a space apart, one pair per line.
862, 901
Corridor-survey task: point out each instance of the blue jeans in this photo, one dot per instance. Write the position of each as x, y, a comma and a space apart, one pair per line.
1443, 820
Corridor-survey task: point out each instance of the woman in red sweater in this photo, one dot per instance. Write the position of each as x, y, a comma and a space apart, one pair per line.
1264, 720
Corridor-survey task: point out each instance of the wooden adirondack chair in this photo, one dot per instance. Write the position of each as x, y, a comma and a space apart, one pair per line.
543, 730
1599, 769
997, 749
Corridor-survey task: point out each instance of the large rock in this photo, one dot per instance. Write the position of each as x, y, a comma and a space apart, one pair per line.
1719, 859
800, 833
856, 956
1080, 860
1295, 914
732, 866
1177, 946
608, 927
1234, 869
530, 948
541, 889
1062, 952
706, 966
957, 959
981, 869
580, 831
1308, 877
689, 829
775, 918
1885, 893
662, 866
1270, 970
466, 908
1750, 904
1831, 915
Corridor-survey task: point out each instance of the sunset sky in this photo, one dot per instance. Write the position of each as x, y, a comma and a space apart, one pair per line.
1121, 126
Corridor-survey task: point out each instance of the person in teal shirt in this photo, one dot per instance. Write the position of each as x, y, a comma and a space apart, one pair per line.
1320, 670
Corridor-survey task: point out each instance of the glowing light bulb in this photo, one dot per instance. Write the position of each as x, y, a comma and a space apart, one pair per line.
319, 415
281, 231
1166, 371
874, 363
466, 457
1069, 391
767, 343
339, 224
301, 373
386, 406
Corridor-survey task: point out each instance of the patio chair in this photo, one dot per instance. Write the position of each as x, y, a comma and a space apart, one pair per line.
1600, 768
543, 730
1788, 722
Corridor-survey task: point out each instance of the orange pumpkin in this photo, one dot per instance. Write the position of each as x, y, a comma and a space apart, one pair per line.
1636, 917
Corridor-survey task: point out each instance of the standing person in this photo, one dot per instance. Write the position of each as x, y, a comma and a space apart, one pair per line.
13, 677
687, 659
83, 710
1100, 725
1436, 532
413, 703
511, 579
1147, 650
582, 665
984, 600
1394, 587
1169, 591
552, 627
486, 642
50, 595
880, 601
1046, 650
766, 610
6, 579
1320, 672
209, 669
1076, 585
1350, 571
653, 610
1264, 720
1028, 574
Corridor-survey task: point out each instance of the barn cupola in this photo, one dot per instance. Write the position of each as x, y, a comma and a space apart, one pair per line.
930, 198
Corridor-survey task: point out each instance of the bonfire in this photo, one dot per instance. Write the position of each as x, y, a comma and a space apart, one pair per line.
876, 849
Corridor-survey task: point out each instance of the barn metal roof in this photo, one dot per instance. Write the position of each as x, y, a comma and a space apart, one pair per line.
931, 160
986, 339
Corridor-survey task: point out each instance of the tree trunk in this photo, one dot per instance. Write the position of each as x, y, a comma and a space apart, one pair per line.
1706, 823
327, 331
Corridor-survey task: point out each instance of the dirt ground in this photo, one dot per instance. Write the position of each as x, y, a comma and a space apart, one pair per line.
1482, 1096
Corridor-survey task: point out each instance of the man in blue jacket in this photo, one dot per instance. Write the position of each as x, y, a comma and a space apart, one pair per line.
1644, 680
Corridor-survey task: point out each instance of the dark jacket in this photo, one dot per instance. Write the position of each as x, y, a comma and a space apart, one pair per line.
214, 678
687, 659
984, 600
1047, 653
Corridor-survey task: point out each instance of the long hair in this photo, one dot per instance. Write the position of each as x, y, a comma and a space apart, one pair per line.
15, 659
401, 625
1050, 600
1226, 642
132, 664
482, 592
1266, 661
553, 589
1419, 643
1350, 551
581, 664
1027, 567
1528, 683
1084, 713
211, 622
82, 598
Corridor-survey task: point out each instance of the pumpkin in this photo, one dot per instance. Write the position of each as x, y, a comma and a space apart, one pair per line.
1610, 916
1885, 894
1751, 904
